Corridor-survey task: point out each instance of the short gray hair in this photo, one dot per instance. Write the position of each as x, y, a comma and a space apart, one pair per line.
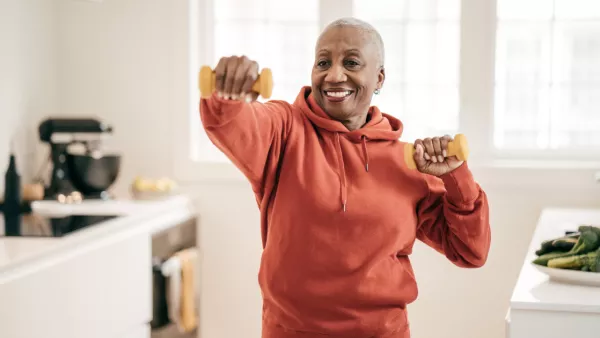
365, 27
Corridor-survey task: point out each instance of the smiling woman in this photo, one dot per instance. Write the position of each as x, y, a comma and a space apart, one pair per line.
340, 209
348, 70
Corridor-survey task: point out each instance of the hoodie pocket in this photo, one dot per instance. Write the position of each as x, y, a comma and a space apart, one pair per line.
407, 277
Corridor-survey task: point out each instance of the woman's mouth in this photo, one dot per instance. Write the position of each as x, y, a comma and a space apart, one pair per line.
337, 95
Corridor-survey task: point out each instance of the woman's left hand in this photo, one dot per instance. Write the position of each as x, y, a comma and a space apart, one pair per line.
431, 156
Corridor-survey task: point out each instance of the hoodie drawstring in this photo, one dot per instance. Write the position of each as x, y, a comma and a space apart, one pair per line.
342, 168
342, 172
364, 146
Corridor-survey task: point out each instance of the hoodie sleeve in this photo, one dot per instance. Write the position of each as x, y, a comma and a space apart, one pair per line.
251, 135
454, 218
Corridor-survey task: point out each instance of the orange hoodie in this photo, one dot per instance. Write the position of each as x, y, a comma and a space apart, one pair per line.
340, 212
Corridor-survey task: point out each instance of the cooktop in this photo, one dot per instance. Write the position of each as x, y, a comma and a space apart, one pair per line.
35, 225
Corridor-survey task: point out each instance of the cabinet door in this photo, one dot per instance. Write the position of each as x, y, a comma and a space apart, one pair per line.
99, 290
553, 324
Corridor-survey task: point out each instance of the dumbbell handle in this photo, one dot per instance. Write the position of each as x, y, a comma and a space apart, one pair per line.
458, 147
207, 82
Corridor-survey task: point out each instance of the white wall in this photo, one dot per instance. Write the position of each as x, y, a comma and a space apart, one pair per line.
28, 79
119, 62
115, 65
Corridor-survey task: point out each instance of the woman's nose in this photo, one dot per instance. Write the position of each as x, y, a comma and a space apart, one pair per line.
335, 74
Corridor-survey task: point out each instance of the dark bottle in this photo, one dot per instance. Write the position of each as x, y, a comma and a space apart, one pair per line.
12, 199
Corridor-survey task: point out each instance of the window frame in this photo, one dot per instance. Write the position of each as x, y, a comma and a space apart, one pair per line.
476, 94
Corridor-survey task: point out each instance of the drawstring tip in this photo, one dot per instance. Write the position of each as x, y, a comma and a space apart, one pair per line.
367, 166
344, 206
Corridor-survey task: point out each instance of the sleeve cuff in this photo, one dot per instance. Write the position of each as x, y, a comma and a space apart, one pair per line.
218, 110
460, 185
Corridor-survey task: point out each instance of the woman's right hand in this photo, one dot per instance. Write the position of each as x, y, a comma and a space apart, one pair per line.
235, 76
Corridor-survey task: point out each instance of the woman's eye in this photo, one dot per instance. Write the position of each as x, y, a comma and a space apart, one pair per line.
351, 63
322, 63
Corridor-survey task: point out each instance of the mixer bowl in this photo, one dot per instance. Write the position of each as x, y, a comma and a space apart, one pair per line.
92, 175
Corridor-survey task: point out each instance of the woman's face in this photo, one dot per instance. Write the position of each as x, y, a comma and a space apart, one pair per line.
346, 72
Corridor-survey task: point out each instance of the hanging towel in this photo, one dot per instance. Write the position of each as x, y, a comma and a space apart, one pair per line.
181, 295
171, 269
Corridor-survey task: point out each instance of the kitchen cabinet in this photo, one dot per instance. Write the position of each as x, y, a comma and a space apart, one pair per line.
98, 292
94, 283
541, 308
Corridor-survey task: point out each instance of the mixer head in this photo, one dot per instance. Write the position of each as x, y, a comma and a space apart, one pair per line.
67, 130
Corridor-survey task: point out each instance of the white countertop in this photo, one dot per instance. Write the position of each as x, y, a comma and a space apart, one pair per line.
533, 290
20, 254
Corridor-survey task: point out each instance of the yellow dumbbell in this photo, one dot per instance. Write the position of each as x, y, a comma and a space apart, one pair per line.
263, 85
458, 147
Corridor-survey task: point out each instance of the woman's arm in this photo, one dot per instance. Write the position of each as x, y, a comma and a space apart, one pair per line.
454, 218
250, 134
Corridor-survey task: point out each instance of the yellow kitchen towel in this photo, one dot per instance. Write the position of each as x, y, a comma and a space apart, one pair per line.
188, 313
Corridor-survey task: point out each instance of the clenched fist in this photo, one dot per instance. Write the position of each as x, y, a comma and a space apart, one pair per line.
235, 76
431, 156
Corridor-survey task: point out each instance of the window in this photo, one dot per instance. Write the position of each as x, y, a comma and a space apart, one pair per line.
521, 78
279, 35
421, 39
547, 74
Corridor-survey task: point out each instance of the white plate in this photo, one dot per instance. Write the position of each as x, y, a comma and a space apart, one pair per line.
571, 276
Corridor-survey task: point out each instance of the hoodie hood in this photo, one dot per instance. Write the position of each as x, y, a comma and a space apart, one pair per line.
379, 127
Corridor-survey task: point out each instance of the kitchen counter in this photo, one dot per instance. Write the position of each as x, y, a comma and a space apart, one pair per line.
543, 308
95, 282
20, 254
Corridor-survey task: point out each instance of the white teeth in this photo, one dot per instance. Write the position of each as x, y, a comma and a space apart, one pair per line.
338, 94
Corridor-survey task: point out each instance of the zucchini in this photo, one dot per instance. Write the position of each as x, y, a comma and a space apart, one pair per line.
573, 262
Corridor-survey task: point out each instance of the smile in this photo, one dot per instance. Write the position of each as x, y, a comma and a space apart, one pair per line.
337, 95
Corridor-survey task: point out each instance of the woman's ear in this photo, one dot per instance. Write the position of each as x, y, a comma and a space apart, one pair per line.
380, 77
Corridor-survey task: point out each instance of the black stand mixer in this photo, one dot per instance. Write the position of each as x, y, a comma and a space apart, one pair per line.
86, 174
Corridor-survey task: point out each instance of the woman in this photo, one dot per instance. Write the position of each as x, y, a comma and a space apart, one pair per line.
340, 211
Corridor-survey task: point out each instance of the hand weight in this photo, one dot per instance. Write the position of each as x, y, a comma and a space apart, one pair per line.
207, 78
458, 147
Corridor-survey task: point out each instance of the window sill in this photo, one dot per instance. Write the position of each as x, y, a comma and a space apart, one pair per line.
536, 164
551, 175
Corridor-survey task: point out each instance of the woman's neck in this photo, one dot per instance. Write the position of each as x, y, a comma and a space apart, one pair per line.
355, 122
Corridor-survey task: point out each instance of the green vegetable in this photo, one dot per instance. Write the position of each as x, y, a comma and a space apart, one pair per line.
588, 241
545, 248
594, 266
592, 228
563, 244
574, 262
543, 259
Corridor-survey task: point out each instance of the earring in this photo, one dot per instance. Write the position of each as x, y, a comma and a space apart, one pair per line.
377, 91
